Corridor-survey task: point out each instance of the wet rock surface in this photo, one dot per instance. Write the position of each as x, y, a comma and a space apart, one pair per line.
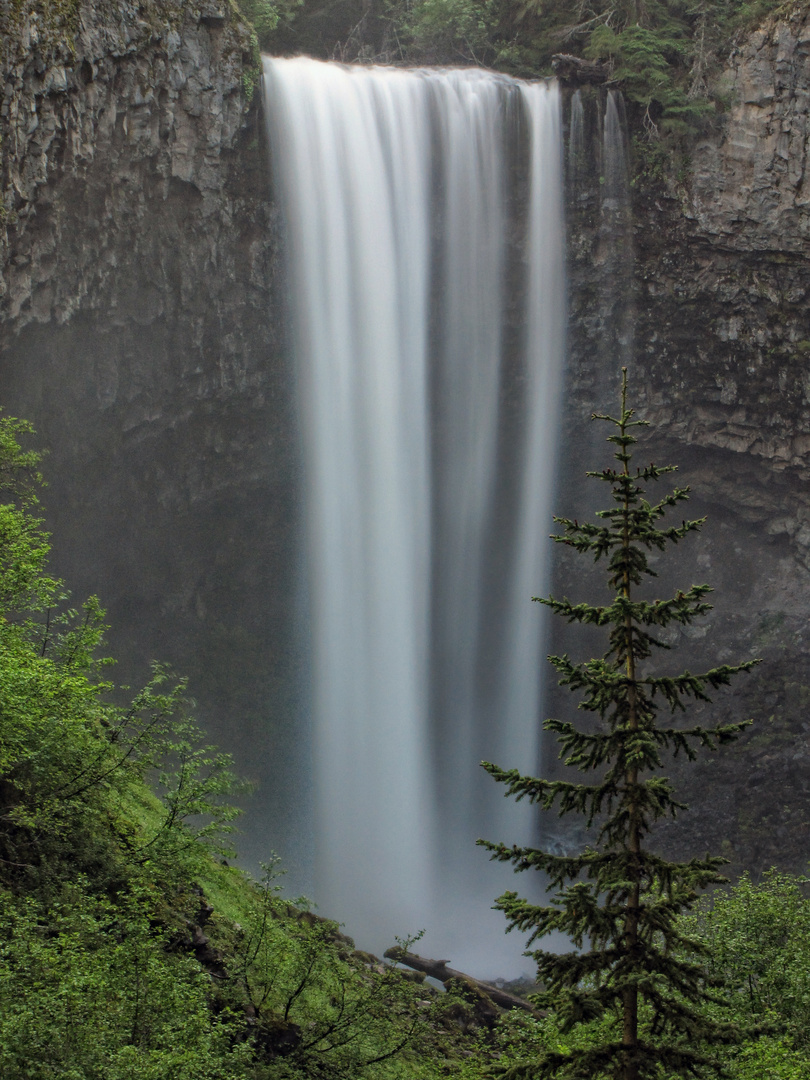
703, 293
714, 314
141, 331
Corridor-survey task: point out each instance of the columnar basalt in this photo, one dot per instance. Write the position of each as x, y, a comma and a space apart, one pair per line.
722, 329
721, 359
141, 331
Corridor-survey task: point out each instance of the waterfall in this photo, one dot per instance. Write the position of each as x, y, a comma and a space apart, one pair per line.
617, 227
424, 229
576, 142
615, 166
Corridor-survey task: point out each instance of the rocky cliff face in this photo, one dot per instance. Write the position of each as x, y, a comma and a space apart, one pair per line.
740, 283
714, 322
141, 329
126, 112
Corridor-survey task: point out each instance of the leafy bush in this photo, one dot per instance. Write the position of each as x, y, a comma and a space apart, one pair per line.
759, 937
462, 29
329, 1010
90, 990
645, 64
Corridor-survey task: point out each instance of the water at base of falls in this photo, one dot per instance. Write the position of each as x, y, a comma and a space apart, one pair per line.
424, 229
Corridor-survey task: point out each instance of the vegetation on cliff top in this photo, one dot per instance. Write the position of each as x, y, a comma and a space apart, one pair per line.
664, 55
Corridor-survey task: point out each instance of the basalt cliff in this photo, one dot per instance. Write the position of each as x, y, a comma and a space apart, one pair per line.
141, 320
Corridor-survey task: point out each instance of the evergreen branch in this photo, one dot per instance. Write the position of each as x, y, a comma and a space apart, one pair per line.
708, 738
676, 687
546, 792
682, 608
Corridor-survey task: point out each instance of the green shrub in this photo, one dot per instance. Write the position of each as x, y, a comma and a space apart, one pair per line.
90, 990
462, 29
110, 815
759, 937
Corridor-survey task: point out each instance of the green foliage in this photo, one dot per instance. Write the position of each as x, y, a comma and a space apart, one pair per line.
69, 758
69, 754
90, 990
759, 948
664, 55
263, 15
644, 64
758, 935
774, 1058
87, 985
333, 1011
272, 20
444, 28
619, 904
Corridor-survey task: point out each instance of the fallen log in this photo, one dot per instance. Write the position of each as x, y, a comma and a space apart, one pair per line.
438, 969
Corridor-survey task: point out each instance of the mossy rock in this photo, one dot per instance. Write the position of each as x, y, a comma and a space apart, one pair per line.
484, 1011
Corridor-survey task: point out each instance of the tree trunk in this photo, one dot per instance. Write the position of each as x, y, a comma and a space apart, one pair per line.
438, 969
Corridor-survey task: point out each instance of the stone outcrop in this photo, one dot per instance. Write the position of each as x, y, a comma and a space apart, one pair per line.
703, 291
750, 189
141, 331
719, 297
104, 119
723, 294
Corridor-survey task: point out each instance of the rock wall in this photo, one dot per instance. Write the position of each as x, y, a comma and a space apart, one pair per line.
714, 323
141, 330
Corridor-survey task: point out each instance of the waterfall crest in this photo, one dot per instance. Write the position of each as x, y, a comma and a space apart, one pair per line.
424, 228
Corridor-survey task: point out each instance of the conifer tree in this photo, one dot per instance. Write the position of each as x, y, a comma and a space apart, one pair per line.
618, 902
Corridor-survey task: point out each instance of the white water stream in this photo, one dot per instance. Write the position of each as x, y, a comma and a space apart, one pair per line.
424, 228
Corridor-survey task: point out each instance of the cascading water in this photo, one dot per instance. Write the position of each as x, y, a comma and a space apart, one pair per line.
424, 226
576, 141
617, 227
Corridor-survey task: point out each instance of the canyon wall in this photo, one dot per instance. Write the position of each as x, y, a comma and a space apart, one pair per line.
142, 330
714, 323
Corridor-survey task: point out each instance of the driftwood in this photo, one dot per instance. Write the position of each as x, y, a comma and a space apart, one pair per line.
574, 69
438, 969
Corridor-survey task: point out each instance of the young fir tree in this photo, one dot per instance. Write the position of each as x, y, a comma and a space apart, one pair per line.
618, 902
